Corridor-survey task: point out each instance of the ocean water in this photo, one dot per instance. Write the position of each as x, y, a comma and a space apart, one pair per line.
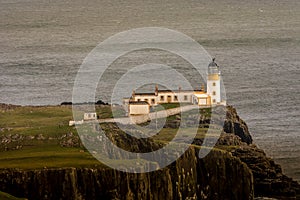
257, 44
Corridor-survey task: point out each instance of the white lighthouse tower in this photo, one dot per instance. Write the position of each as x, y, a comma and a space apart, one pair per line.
214, 83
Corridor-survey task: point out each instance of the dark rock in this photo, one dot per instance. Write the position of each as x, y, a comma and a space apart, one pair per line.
229, 140
233, 124
269, 180
11, 142
6, 107
70, 140
217, 176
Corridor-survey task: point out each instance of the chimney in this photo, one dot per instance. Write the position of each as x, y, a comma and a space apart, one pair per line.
156, 89
202, 87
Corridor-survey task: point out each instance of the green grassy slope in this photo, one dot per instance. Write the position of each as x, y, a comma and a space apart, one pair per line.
51, 123
5, 196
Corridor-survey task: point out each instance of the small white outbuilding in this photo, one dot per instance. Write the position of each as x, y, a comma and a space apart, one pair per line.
139, 108
202, 99
90, 116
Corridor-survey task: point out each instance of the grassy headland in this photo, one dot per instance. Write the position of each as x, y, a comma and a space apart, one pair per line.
38, 136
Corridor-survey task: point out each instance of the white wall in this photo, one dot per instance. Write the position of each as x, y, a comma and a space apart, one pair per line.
146, 97
211, 88
180, 97
139, 109
90, 116
203, 102
189, 97
165, 95
157, 99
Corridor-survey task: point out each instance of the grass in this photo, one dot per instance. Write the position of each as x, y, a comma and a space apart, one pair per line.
49, 156
5, 196
36, 116
167, 134
165, 106
110, 111
52, 122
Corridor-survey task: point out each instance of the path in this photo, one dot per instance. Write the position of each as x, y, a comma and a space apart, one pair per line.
153, 115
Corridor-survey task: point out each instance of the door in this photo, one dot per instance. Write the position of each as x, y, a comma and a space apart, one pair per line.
169, 99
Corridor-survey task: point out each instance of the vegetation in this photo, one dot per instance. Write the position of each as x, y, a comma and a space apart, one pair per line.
5, 196
51, 123
51, 120
165, 106
104, 112
46, 156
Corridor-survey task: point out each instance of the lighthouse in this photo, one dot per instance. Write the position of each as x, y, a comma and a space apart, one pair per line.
140, 103
214, 82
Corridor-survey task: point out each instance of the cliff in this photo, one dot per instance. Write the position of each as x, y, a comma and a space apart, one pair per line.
268, 177
218, 176
269, 181
235, 169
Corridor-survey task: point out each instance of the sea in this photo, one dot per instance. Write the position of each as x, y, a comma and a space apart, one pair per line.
256, 43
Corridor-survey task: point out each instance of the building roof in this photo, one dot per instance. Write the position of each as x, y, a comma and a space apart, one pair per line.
164, 91
138, 103
213, 68
177, 91
146, 93
213, 63
203, 95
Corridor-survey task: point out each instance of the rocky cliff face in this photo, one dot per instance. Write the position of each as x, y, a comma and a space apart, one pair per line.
269, 181
218, 176
268, 177
234, 124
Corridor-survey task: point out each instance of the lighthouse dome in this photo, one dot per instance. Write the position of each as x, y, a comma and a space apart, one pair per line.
213, 63
213, 67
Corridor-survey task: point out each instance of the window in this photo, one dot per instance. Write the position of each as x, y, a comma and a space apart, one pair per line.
214, 83
152, 101
138, 99
214, 101
214, 92
146, 100
175, 98
185, 97
162, 98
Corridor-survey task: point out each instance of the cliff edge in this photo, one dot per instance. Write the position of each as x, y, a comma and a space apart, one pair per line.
234, 169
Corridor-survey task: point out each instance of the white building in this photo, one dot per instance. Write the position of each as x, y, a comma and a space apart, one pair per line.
86, 117
90, 116
201, 99
139, 108
162, 96
139, 103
